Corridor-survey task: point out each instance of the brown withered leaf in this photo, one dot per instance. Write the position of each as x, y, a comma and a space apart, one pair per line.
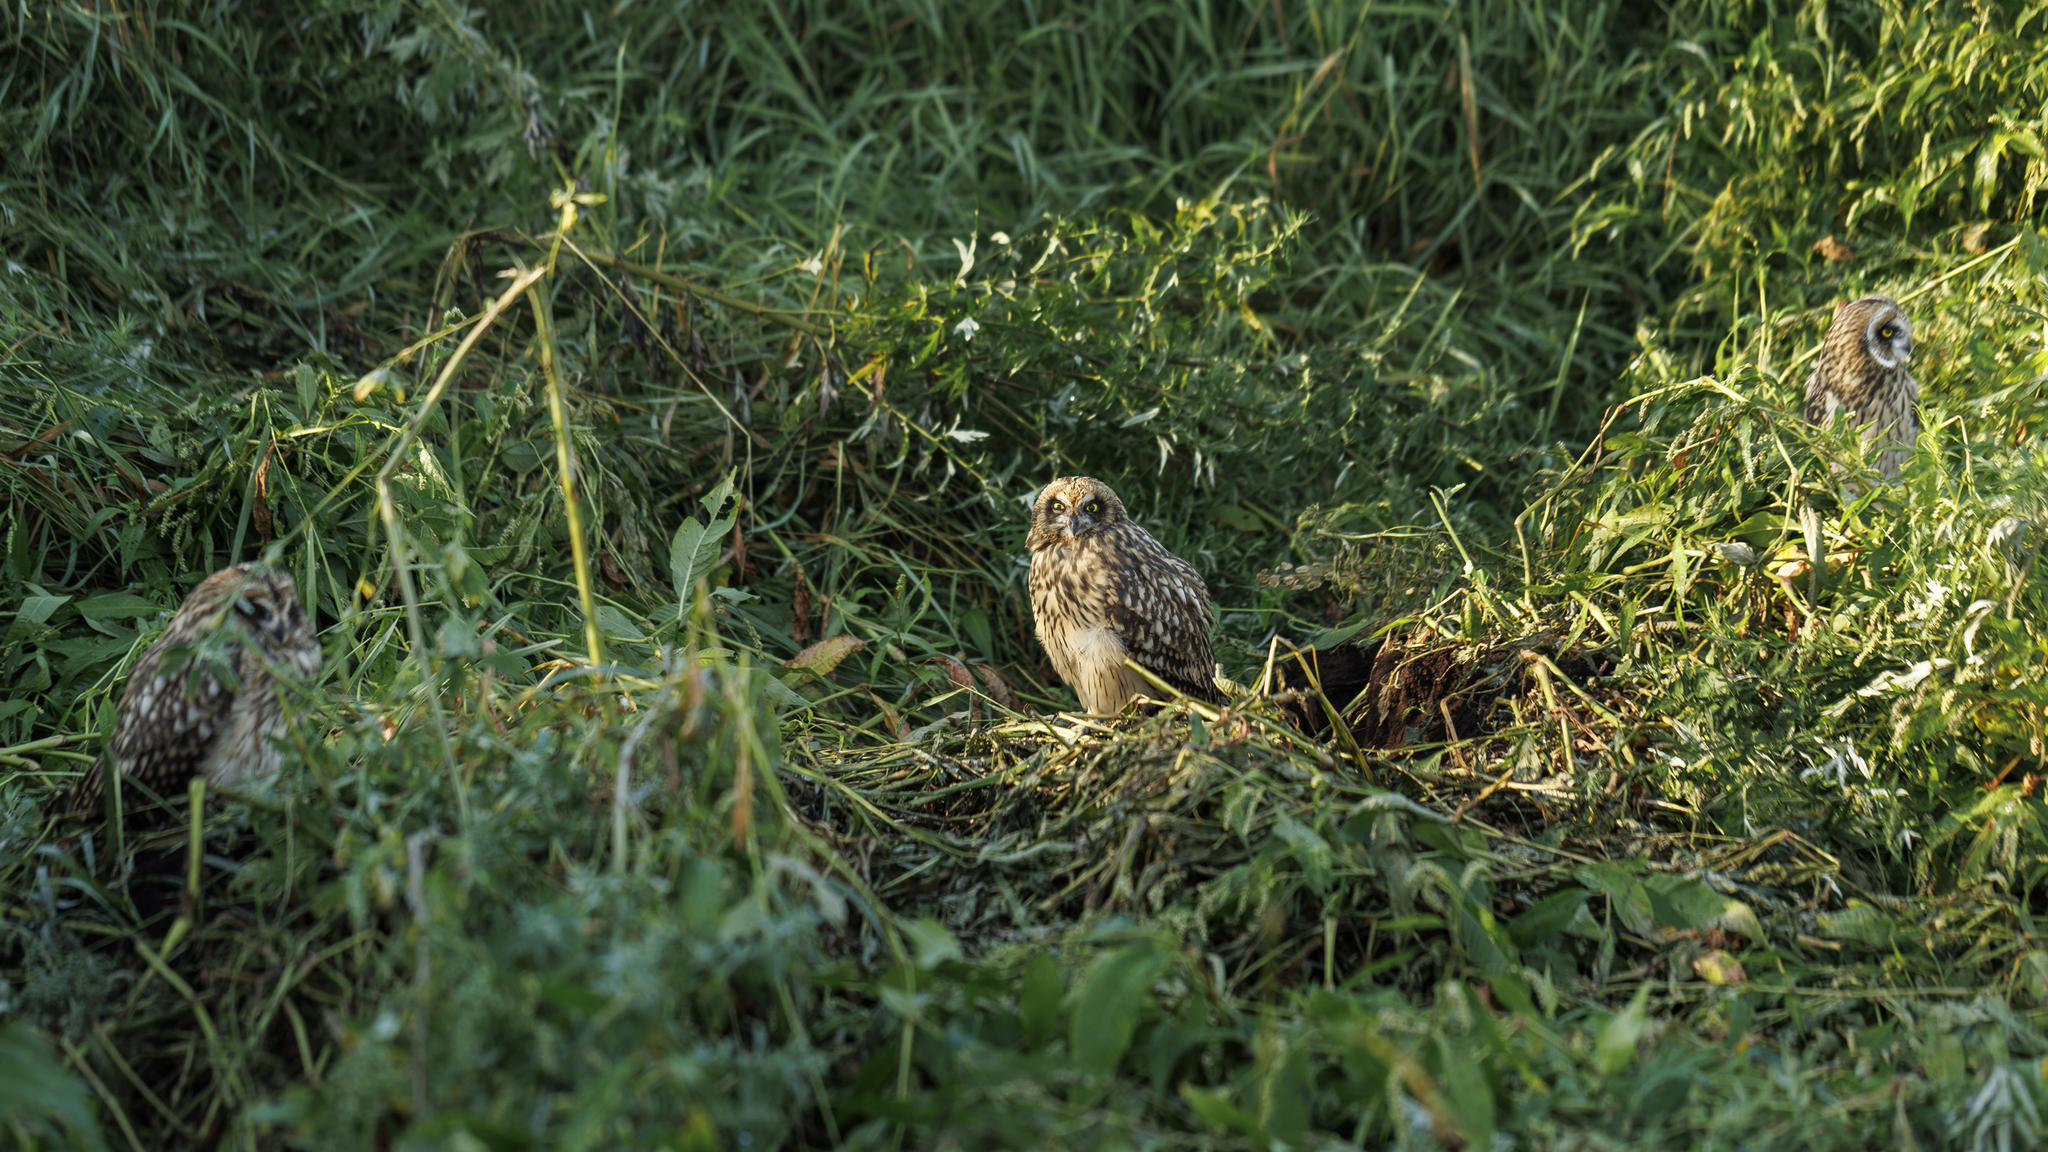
1834, 249
1977, 238
821, 658
955, 671
892, 720
998, 689
259, 506
958, 674
800, 609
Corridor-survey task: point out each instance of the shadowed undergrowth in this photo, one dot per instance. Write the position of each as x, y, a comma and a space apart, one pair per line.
1678, 796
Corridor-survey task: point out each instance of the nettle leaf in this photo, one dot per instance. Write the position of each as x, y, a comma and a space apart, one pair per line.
1105, 1015
1631, 899
1690, 904
1547, 917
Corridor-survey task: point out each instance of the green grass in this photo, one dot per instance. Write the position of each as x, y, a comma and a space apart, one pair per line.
1480, 327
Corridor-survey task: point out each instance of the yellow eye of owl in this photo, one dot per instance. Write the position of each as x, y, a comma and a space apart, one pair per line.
1887, 332
1093, 507
1059, 506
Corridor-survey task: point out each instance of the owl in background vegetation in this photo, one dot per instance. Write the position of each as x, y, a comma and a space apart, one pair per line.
1863, 371
190, 722
1103, 591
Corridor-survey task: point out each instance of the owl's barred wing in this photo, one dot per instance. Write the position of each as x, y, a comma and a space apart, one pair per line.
1159, 608
164, 732
1191, 673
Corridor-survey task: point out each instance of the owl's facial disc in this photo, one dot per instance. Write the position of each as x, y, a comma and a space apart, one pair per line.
1889, 338
1073, 514
272, 607
1087, 515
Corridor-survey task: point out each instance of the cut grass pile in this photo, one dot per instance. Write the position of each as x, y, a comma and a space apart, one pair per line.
646, 402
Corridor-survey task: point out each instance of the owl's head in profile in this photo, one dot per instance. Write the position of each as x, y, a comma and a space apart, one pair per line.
1880, 326
1071, 508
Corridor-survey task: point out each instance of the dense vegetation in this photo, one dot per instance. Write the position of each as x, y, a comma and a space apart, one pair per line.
647, 398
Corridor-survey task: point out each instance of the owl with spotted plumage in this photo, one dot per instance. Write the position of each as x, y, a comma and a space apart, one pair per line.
1863, 373
1103, 591
190, 721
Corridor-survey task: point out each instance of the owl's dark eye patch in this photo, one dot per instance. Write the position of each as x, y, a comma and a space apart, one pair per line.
1887, 332
1094, 507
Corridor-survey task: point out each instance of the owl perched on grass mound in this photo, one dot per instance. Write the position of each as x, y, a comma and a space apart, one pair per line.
1104, 591
190, 721
1863, 372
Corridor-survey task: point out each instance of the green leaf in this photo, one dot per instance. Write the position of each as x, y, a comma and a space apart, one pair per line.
1859, 923
572, 997
1308, 848
34, 1084
933, 943
462, 1130
1329, 638
1513, 993
1616, 1048
117, 606
1547, 917
1631, 899
782, 694
38, 609
974, 622
697, 547
1233, 516
1690, 904
1466, 1096
692, 553
1105, 1014
1487, 943
716, 498
1216, 1110
617, 625
307, 381
1038, 1000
